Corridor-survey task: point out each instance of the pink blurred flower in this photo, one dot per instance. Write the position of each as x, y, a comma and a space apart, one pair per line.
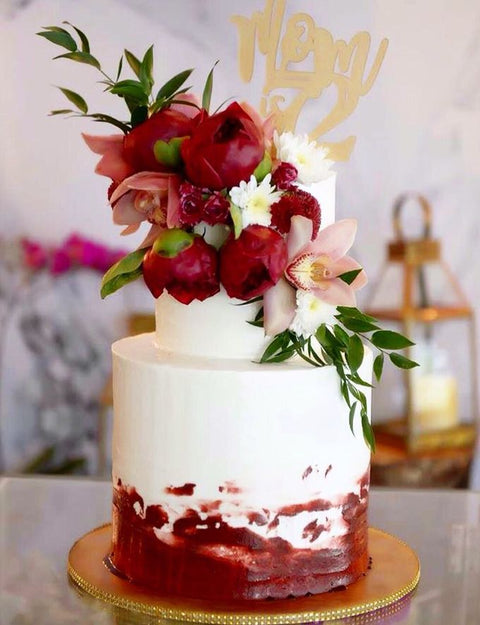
147, 196
34, 254
313, 266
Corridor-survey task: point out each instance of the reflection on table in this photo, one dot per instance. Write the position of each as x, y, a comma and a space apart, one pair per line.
41, 518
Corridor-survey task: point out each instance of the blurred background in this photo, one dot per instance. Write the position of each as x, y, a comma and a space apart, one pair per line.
418, 130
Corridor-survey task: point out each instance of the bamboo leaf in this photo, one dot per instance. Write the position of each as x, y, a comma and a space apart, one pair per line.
119, 70
378, 366
341, 335
80, 57
207, 91
368, 431
351, 311
83, 38
146, 69
75, 99
351, 415
171, 86
61, 112
59, 37
355, 352
387, 339
358, 325
402, 362
133, 62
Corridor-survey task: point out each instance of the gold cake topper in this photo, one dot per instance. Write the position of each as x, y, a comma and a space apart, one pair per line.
335, 63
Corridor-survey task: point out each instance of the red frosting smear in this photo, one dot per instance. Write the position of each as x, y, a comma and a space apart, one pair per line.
186, 489
204, 557
229, 487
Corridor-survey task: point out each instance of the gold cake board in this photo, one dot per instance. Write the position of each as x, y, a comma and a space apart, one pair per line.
393, 576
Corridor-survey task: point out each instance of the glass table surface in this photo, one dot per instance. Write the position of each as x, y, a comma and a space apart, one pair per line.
40, 519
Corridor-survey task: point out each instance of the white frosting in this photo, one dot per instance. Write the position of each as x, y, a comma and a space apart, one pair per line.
211, 422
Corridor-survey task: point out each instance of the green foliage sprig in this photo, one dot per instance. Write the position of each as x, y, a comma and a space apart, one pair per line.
342, 346
137, 92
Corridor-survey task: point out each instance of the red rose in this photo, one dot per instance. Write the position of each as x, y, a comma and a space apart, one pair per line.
182, 264
223, 149
252, 263
190, 205
165, 125
216, 209
295, 202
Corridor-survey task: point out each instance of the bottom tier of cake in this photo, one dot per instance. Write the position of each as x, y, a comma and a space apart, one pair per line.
204, 556
234, 480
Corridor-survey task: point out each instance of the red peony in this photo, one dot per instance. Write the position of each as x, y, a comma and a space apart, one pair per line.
284, 175
295, 202
183, 264
165, 125
223, 149
252, 263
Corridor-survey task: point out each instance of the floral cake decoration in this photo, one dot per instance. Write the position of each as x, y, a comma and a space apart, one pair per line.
221, 192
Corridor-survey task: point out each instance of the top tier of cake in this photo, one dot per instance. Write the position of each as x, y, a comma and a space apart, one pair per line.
217, 327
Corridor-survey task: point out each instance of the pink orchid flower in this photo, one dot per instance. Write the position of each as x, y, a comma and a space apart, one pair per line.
113, 163
147, 196
313, 266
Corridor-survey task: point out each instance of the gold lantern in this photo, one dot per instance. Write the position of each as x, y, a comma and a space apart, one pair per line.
429, 437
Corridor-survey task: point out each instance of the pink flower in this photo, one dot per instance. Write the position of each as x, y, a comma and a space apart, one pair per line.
147, 196
113, 163
314, 266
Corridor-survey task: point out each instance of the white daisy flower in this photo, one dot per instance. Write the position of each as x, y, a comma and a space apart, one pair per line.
309, 158
255, 200
311, 312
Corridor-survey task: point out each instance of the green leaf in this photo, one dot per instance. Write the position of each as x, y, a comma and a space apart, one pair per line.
355, 352
168, 153
341, 335
368, 431
349, 276
80, 57
351, 415
358, 325
350, 311
170, 243
250, 301
402, 362
356, 379
236, 215
131, 89
207, 91
83, 37
264, 167
387, 339
378, 366
278, 344
171, 86
134, 63
146, 69
126, 270
100, 117
139, 115
61, 112
59, 37
119, 70
75, 98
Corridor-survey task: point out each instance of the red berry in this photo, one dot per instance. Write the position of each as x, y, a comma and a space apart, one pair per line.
295, 202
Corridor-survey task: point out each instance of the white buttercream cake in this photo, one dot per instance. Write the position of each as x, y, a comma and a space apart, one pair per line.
233, 479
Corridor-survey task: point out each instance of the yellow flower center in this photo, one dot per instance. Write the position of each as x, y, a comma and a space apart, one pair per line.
150, 204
